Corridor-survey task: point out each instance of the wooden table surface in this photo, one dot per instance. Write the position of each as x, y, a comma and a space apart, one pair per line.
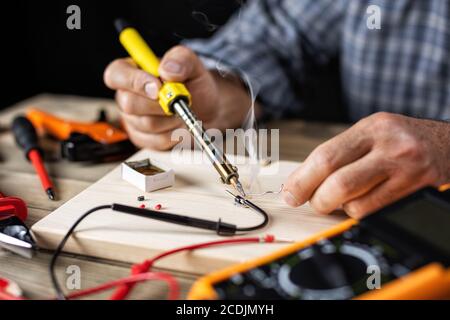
17, 178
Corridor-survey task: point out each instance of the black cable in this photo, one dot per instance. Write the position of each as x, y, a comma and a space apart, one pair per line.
59, 293
242, 201
220, 227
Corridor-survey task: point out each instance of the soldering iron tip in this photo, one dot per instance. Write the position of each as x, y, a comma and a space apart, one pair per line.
240, 189
51, 194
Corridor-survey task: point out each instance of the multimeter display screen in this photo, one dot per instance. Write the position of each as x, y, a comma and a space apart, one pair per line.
425, 220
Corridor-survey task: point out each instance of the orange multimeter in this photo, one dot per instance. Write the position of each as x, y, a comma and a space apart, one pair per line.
399, 252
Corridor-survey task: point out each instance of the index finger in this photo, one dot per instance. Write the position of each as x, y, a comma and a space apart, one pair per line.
123, 74
341, 150
132, 103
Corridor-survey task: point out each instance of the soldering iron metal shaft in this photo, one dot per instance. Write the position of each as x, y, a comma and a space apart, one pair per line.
228, 173
175, 98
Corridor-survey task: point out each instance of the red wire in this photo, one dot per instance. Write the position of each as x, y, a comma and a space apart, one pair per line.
174, 289
139, 272
122, 291
173, 294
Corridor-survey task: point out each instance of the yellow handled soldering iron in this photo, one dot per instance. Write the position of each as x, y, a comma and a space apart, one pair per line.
174, 98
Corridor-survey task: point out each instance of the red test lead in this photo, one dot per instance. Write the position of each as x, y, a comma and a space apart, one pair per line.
26, 138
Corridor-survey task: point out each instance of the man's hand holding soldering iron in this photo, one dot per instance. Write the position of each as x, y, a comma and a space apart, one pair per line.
219, 102
380, 159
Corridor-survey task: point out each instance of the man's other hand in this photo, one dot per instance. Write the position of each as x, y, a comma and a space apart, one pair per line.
379, 160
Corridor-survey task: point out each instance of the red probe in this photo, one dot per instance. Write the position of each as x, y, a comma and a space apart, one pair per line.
26, 138
38, 164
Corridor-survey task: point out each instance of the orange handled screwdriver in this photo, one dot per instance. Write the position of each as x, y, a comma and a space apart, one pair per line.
26, 138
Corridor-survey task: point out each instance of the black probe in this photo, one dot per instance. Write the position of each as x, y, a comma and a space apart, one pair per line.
27, 139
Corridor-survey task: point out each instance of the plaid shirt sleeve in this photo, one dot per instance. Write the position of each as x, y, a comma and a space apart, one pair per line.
266, 43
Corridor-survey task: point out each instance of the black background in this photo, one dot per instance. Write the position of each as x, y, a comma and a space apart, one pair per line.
40, 54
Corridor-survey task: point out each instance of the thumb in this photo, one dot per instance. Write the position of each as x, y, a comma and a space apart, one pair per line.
181, 64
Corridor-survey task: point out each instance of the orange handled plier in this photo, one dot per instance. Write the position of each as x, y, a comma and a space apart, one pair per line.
94, 141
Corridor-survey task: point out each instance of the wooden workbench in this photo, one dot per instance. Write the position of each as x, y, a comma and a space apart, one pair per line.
17, 178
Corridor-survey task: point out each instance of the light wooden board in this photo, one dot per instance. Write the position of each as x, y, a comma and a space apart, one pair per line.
197, 193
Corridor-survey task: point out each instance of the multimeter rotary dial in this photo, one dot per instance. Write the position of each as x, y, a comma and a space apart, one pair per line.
325, 271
